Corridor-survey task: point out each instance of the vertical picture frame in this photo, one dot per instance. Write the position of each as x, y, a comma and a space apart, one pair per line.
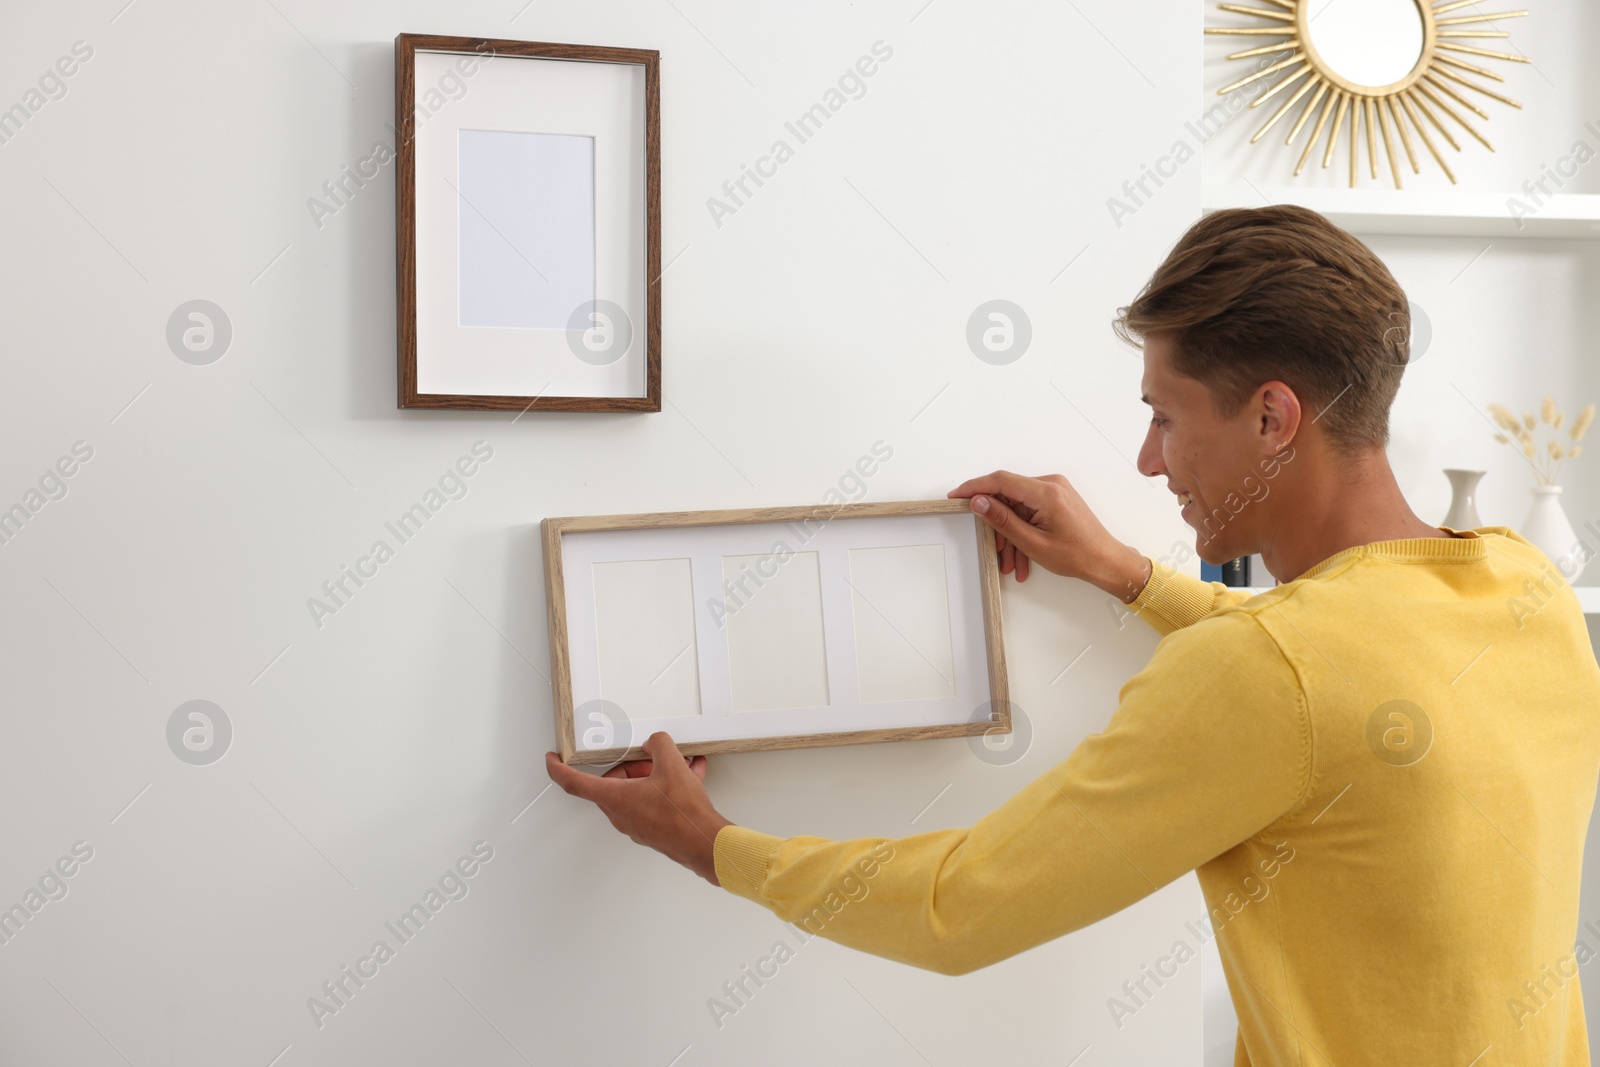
527, 225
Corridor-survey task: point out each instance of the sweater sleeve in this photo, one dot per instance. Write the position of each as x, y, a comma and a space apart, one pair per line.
1170, 600
1209, 745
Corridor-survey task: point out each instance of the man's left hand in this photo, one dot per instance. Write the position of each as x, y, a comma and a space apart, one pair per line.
660, 802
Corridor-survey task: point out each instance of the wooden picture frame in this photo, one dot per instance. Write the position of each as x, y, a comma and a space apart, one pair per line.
482, 326
975, 702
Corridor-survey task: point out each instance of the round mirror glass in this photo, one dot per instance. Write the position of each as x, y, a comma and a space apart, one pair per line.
1368, 42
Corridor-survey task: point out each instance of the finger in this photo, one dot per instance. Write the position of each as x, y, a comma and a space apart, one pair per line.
575, 782
984, 483
963, 490
698, 765
664, 752
1023, 567
1018, 532
634, 768
1014, 487
1008, 556
1023, 511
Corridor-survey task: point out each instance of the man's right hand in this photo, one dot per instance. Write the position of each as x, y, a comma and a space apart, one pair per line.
1045, 521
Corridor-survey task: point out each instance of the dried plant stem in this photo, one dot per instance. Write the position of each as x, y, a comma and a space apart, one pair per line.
1545, 457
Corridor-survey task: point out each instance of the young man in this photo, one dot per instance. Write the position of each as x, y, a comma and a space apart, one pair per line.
1400, 741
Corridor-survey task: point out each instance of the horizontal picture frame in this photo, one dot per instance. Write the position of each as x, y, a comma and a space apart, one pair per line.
527, 225
773, 628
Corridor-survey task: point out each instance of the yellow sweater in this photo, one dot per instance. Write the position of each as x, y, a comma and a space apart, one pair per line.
1382, 771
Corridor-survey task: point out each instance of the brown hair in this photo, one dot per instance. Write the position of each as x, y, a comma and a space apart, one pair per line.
1255, 294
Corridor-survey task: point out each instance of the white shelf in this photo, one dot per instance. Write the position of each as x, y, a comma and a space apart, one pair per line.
1588, 597
1452, 212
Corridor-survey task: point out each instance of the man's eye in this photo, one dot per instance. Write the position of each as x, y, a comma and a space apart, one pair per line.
1157, 422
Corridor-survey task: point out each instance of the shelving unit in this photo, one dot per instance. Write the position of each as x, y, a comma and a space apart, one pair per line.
1454, 213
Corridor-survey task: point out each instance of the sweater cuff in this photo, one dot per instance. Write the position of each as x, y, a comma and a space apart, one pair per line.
1171, 600
742, 857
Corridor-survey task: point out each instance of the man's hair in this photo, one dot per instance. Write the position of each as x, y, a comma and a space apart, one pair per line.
1250, 295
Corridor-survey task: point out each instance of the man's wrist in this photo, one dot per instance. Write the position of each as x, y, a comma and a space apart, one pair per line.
709, 828
1146, 570
1124, 574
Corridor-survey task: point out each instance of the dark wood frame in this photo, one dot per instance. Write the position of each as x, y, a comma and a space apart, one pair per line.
406, 46
555, 594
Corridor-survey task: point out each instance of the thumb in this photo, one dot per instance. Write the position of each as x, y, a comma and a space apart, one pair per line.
663, 752
1017, 530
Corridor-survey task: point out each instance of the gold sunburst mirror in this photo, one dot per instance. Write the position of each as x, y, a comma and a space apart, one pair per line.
1385, 68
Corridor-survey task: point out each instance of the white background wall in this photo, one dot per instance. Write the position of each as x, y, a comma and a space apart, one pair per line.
370, 754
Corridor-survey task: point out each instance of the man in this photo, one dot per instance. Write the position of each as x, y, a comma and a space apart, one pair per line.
1401, 739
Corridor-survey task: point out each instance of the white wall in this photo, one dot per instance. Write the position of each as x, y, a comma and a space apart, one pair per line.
371, 753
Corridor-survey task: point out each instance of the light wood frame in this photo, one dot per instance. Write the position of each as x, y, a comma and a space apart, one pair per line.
406, 46
552, 530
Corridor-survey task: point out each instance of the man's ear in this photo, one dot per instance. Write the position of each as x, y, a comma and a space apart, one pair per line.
1279, 414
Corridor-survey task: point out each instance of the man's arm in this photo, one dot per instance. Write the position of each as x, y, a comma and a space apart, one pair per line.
1045, 521
1169, 600
1209, 745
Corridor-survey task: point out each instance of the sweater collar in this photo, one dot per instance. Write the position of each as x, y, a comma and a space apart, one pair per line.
1462, 545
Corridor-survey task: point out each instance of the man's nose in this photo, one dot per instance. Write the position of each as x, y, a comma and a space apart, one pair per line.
1150, 462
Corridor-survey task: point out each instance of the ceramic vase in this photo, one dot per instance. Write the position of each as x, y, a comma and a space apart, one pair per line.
1548, 529
1463, 500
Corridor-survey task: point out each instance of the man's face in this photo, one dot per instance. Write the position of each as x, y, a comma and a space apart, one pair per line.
1211, 464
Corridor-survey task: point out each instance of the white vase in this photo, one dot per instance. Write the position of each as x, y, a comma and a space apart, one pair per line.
1463, 501
1548, 530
